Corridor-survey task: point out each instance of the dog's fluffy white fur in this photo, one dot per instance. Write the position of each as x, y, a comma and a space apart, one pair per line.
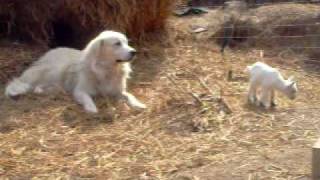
102, 68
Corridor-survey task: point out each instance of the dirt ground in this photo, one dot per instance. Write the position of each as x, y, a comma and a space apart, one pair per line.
198, 125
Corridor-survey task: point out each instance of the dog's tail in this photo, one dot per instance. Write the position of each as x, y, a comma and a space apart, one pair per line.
248, 69
17, 87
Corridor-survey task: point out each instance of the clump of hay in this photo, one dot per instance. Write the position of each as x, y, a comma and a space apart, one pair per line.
62, 22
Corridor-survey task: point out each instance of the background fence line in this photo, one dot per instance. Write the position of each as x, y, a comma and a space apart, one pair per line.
258, 37
259, 4
277, 25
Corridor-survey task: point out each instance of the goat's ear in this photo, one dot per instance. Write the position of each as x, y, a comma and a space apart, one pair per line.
291, 78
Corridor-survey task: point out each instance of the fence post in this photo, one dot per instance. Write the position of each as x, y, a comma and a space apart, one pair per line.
316, 160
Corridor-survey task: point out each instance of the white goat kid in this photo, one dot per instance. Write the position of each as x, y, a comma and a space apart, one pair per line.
268, 79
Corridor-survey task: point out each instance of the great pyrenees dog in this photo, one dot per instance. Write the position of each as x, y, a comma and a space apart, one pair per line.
102, 68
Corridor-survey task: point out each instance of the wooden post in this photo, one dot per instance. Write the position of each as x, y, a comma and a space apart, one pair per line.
316, 160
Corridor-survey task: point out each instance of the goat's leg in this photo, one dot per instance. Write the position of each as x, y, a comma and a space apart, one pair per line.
273, 104
252, 94
265, 97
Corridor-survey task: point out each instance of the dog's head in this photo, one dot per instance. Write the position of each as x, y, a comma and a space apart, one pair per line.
113, 46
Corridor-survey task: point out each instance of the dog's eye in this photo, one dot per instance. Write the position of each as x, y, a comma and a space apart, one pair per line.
118, 43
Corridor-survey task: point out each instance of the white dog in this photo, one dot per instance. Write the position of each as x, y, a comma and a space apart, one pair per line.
102, 68
269, 79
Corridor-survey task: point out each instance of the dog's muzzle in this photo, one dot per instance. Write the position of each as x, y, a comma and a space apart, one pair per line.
132, 55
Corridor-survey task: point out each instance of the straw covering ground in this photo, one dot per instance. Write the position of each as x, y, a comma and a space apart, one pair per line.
197, 125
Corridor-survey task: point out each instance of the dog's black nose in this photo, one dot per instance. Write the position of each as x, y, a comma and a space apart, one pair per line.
133, 53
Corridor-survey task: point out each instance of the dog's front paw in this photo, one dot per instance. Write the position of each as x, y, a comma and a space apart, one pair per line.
139, 106
91, 109
38, 90
133, 101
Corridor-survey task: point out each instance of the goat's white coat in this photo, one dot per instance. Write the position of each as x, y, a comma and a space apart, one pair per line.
268, 79
103, 67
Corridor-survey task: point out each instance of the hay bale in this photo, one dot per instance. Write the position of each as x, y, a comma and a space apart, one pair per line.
62, 22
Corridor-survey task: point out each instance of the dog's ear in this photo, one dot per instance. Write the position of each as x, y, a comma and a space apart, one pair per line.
93, 66
101, 44
100, 47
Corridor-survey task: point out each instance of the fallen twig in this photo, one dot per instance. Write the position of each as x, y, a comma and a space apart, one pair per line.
219, 99
193, 95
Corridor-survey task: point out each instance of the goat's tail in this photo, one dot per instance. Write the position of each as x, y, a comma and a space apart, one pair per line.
17, 87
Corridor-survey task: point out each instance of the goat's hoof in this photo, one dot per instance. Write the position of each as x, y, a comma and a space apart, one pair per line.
263, 105
273, 104
252, 100
14, 97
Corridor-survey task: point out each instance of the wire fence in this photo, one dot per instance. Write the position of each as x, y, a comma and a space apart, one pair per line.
269, 37
277, 25
229, 34
260, 4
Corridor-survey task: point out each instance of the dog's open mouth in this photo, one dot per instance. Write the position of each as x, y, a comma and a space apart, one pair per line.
123, 61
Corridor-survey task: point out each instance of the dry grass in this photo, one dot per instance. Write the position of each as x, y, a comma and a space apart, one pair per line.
187, 132
47, 21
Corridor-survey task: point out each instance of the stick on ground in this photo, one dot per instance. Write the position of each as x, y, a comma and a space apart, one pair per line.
316, 160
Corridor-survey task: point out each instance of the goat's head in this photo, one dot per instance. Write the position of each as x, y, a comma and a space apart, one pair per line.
291, 88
